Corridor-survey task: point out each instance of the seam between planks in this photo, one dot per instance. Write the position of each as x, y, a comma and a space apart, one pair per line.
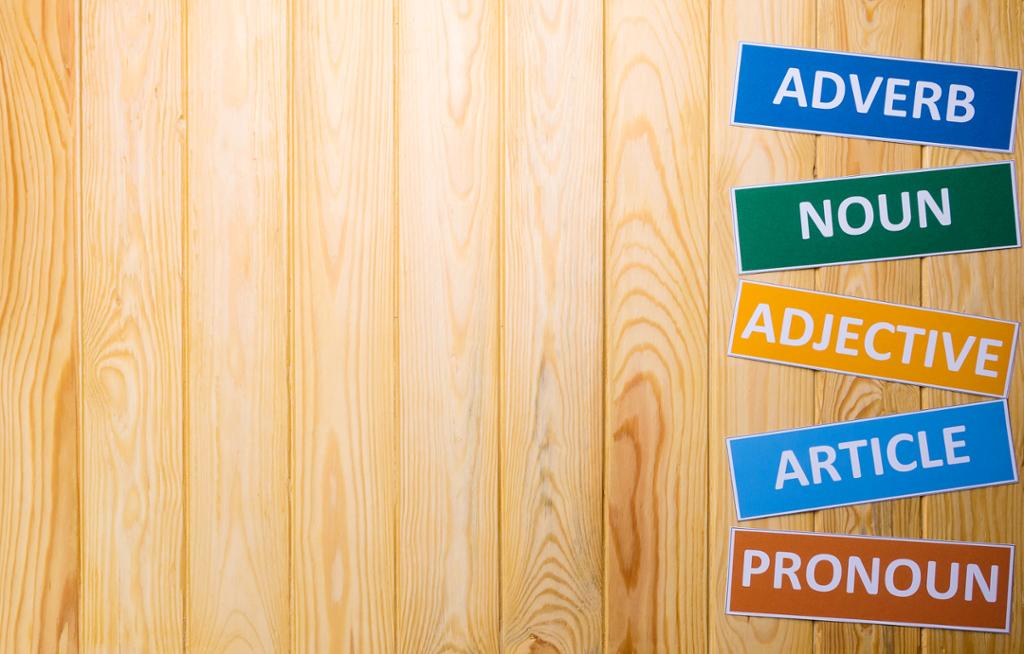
499, 342
396, 274
815, 409
77, 285
924, 162
707, 331
922, 504
185, 288
290, 348
605, 472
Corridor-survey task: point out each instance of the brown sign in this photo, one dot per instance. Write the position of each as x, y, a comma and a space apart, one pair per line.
922, 583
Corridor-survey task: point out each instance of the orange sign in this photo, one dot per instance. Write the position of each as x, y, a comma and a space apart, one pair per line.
873, 339
923, 583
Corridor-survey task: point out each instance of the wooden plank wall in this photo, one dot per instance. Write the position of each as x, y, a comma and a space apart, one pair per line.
343, 340
370, 326
132, 485
448, 71
40, 405
892, 29
993, 34
236, 320
551, 354
656, 331
744, 396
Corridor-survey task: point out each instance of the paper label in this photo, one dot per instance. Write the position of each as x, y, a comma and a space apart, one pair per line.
906, 100
923, 583
897, 342
826, 466
876, 217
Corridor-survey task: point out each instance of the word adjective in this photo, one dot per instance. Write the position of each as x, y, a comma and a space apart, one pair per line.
873, 339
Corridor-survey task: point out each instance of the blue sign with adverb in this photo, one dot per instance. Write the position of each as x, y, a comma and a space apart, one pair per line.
884, 458
886, 98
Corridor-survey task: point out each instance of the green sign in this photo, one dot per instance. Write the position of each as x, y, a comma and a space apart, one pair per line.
876, 217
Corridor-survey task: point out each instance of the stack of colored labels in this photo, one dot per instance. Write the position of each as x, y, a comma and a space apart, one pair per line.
823, 222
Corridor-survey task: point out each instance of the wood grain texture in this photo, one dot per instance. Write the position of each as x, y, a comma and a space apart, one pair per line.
132, 153
656, 131
237, 319
39, 394
448, 161
892, 29
343, 214
747, 396
383, 326
551, 509
989, 32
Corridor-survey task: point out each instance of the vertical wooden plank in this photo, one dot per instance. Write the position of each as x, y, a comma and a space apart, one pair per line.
892, 29
656, 282
343, 197
989, 283
448, 204
551, 518
746, 396
39, 405
132, 149
237, 321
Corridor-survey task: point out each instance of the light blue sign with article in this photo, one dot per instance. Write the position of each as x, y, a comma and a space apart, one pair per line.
884, 458
864, 96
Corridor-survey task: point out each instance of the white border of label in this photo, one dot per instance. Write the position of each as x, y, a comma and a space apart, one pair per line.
736, 88
732, 469
1009, 368
736, 223
1009, 586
